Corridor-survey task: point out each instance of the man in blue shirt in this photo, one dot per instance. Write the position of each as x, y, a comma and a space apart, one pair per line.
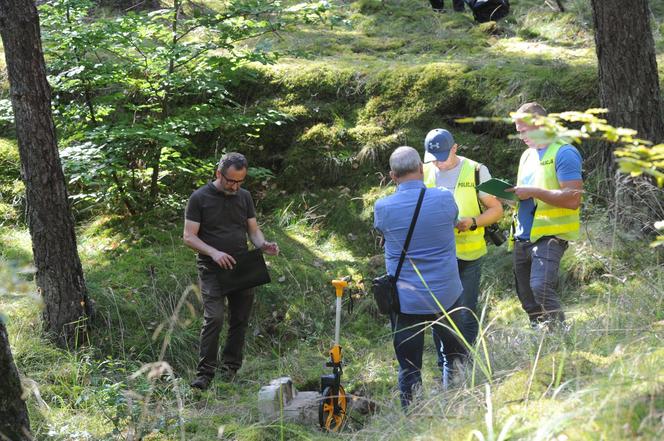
549, 188
429, 287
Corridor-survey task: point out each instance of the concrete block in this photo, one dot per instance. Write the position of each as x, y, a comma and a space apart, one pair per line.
275, 396
303, 409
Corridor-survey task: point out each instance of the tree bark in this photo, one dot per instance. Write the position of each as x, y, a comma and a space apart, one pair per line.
59, 274
629, 88
165, 105
628, 79
14, 422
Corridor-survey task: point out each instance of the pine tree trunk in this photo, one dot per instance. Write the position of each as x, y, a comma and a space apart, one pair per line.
14, 422
628, 79
629, 88
59, 273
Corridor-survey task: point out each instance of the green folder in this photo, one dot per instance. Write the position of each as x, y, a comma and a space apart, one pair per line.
497, 188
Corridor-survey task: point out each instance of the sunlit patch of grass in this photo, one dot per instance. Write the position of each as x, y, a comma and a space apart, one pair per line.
538, 51
16, 245
569, 28
66, 424
507, 311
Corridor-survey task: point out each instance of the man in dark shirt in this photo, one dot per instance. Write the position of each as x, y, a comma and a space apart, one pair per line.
218, 218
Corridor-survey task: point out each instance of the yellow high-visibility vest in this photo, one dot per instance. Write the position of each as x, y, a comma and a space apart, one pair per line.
470, 245
549, 220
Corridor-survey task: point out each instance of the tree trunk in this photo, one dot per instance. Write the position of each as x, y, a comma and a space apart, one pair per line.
629, 88
14, 422
59, 274
165, 105
628, 79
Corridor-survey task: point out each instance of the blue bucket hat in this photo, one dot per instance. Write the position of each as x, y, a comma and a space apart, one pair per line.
437, 145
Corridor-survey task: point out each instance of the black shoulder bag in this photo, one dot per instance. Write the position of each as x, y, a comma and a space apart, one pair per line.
385, 287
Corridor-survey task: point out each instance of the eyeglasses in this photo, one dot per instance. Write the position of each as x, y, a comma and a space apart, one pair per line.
232, 181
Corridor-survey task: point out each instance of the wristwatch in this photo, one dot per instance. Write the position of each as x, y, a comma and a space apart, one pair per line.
473, 226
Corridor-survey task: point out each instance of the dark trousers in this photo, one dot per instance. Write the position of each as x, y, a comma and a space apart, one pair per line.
239, 310
408, 340
437, 5
470, 272
536, 268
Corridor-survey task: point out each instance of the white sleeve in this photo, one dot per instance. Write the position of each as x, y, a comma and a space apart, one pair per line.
484, 176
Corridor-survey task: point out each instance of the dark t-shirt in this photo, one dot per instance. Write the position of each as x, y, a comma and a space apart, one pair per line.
222, 218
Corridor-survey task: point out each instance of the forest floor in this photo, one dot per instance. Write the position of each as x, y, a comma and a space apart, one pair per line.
603, 378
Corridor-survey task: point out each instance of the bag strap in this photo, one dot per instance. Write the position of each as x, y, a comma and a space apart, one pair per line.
410, 234
477, 182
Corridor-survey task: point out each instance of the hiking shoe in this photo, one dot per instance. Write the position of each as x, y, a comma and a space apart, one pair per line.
201, 382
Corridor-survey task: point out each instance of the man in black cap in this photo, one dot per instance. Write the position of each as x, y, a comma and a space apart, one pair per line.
444, 168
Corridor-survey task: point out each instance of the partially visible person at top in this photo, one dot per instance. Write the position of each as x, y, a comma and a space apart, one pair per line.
549, 187
429, 280
218, 218
438, 5
444, 168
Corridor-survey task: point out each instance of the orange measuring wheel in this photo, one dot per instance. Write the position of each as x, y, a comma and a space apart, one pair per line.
332, 409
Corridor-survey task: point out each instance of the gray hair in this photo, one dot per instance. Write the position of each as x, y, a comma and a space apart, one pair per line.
232, 159
404, 160
532, 108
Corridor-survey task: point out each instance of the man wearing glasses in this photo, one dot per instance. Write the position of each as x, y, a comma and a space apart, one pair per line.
218, 218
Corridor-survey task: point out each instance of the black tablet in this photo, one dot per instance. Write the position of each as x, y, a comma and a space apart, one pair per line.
249, 271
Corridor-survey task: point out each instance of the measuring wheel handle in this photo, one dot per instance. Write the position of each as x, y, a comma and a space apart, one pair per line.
332, 407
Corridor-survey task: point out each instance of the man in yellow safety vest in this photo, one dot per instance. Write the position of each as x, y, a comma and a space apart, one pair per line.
549, 187
444, 168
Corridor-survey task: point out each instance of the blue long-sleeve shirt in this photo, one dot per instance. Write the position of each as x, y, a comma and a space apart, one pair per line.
432, 249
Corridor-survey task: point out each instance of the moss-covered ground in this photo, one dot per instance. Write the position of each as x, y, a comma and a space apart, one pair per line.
383, 75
